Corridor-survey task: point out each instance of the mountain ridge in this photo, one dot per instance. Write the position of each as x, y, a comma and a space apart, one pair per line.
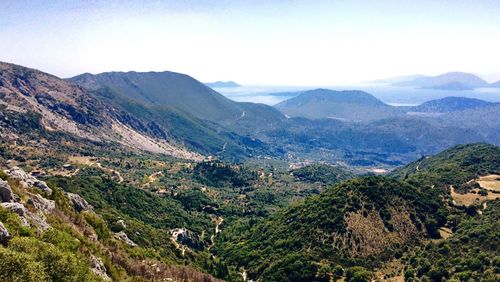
446, 81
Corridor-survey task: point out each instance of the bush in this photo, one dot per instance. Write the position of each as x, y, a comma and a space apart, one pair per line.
358, 274
15, 266
59, 265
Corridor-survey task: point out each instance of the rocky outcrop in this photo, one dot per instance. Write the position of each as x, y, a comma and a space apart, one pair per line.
187, 238
122, 236
4, 234
28, 218
6, 194
28, 181
98, 268
41, 204
79, 203
18, 209
121, 223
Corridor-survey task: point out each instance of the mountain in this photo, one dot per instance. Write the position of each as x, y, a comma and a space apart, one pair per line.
167, 89
58, 105
447, 81
495, 84
174, 90
450, 104
222, 84
349, 105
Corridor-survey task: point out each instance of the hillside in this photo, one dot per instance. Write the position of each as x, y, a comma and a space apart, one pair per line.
447, 81
352, 105
471, 253
57, 105
454, 166
170, 89
358, 222
450, 104
378, 227
48, 234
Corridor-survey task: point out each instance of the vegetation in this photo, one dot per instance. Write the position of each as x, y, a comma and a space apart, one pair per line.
472, 253
325, 174
297, 239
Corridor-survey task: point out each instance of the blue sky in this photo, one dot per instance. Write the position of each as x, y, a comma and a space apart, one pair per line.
255, 42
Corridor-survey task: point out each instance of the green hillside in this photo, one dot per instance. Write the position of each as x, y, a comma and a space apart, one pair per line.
346, 105
358, 222
454, 166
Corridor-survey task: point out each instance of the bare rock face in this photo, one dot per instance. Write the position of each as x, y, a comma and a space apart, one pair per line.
79, 203
187, 238
6, 194
28, 180
4, 234
122, 236
41, 204
28, 218
98, 268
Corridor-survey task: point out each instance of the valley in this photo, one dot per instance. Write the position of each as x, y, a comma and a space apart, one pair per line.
129, 176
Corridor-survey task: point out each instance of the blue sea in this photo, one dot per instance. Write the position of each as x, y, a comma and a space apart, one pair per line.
393, 95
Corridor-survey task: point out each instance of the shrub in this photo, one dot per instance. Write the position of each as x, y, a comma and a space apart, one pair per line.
16, 266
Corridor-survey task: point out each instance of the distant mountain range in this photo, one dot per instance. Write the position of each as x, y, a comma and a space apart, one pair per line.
222, 84
177, 115
355, 105
451, 104
446, 81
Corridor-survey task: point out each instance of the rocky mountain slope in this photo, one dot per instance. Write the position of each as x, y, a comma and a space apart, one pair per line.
50, 235
62, 106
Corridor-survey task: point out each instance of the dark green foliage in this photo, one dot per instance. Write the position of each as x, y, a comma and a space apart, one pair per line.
454, 166
325, 174
471, 253
104, 194
218, 174
195, 200
358, 274
278, 244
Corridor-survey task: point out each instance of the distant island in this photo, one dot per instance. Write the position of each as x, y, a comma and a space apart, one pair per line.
222, 84
447, 81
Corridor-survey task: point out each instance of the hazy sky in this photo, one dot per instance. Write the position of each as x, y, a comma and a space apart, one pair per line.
255, 42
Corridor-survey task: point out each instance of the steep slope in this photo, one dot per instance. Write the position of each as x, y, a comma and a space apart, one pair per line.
62, 106
447, 81
352, 105
165, 88
47, 234
201, 136
450, 104
358, 222
171, 89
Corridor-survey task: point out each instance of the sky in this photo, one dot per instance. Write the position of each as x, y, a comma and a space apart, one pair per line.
301, 43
